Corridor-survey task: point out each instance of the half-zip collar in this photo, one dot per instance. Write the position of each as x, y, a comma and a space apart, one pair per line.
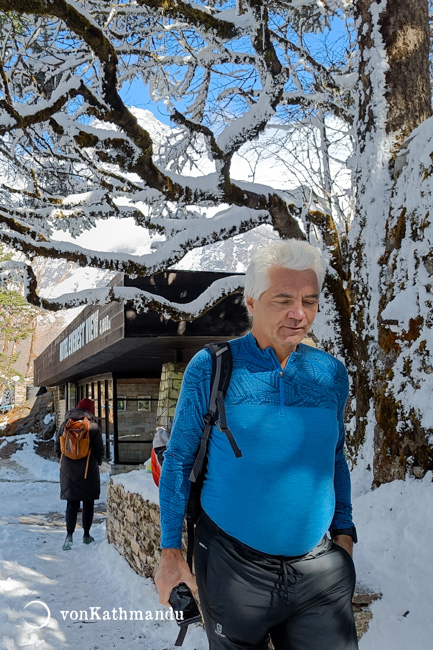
269, 354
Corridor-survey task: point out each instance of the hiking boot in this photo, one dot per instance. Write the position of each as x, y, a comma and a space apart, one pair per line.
88, 539
67, 543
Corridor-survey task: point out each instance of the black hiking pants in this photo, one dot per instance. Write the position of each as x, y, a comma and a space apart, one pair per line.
72, 508
248, 597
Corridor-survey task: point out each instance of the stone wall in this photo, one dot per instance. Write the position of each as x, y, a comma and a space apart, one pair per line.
169, 388
133, 527
133, 520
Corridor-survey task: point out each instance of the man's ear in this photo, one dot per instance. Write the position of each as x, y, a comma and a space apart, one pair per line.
250, 304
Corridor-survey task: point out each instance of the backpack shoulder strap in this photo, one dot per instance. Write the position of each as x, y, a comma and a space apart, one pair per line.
222, 371
222, 363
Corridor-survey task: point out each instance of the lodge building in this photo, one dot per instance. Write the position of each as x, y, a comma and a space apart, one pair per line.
130, 363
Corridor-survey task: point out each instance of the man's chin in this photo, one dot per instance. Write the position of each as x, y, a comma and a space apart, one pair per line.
293, 339
292, 332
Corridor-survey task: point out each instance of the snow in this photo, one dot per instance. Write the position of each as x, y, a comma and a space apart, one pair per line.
139, 482
35, 573
116, 235
193, 309
393, 556
62, 90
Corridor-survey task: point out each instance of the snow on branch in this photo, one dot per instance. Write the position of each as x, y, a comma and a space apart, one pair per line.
74, 153
142, 300
198, 233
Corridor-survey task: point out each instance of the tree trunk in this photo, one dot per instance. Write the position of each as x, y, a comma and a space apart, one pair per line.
394, 100
405, 31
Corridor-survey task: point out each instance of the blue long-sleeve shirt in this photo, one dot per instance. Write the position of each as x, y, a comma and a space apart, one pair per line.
292, 482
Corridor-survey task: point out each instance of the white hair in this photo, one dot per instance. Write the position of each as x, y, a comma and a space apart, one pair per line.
287, 253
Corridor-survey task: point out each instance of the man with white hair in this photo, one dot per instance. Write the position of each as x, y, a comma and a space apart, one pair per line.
265, 566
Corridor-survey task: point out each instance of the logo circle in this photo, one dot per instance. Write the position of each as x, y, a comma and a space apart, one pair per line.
47, 609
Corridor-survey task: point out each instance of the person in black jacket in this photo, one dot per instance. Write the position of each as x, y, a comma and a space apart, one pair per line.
74, 487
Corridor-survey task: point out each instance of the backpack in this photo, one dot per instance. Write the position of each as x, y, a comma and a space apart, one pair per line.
222, 363
159, 445
75, 441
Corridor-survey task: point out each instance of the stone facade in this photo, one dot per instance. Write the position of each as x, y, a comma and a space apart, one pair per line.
133, 527
169, 388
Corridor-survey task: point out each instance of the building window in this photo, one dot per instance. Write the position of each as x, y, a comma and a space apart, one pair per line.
121, 403
144, 403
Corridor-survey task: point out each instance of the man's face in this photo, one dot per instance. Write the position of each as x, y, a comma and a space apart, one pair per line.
284, 313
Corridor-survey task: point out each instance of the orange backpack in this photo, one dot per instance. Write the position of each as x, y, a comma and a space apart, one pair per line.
75, 441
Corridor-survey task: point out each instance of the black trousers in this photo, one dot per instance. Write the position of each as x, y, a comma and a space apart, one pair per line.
72, 508
248, 597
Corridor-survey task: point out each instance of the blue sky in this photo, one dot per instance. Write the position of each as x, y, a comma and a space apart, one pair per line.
321, 45
137, 94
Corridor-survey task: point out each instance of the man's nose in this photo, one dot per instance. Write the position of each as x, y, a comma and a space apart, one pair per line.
296, 311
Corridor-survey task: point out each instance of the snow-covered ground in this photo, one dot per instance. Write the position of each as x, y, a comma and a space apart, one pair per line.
37, 577
41, 585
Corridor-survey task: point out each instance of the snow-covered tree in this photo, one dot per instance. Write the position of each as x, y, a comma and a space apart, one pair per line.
392, 235
17, 320
230, 73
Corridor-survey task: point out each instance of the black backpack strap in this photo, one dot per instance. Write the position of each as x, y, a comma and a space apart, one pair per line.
222, 364
202, 450
222, 425
181, 636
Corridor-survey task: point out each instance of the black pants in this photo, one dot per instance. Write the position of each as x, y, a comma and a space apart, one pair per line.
72, 508
247, 597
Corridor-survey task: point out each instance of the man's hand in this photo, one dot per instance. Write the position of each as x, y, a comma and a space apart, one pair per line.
346, 542
172, 570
